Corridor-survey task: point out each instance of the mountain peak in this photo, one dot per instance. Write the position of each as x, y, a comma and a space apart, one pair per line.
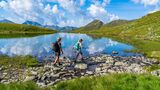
95, 23
6, 21
32, 23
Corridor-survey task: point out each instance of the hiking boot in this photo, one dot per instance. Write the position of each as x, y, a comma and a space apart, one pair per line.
55, 65
60, 64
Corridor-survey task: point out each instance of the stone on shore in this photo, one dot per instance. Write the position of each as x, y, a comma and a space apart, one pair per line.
81, 66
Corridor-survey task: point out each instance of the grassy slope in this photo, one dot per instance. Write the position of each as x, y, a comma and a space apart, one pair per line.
18, 61
96, 24
107, 82
112, 82
143, 33
13, 30
117, 22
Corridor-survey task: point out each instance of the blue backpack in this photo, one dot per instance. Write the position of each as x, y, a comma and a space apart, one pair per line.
76, 46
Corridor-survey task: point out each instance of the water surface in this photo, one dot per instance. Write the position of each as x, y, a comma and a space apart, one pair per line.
40, 46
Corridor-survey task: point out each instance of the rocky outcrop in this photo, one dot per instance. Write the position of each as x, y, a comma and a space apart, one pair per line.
47, 74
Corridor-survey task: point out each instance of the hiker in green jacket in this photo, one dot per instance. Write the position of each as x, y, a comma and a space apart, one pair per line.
78, 48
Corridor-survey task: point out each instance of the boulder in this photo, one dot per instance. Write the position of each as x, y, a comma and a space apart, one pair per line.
98, 69
111, 71
156, 73
29, 78
89, 72
119, 64
34, 73
81, 66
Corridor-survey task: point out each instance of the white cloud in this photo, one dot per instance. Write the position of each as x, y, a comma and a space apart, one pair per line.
147, 2
96, 10
55, 9
105, 2
154, 3
69, 5
155, 10
113, 17
82, 2
99, 12
3, 4
62, 12
47, 9
25, 5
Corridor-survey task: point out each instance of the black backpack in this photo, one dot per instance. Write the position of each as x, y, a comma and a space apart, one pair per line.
55, 46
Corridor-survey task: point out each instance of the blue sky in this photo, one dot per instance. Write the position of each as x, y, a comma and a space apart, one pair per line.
75, 12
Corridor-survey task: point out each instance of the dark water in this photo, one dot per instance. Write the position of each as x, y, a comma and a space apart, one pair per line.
40, 46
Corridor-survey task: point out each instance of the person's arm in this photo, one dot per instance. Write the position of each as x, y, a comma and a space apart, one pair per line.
80, 45
61, 48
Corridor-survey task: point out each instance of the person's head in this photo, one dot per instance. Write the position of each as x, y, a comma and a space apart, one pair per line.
59, 39
81, 40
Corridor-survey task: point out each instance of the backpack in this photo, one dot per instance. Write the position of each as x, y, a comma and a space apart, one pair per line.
76, 46
55, 46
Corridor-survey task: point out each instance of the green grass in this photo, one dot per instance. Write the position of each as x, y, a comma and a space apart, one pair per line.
20, 86
18, 61
107, 82
8, 30
152, 68
24, 35
143, 33
111, 82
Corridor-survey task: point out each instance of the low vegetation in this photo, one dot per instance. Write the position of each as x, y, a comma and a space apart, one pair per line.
18, 61
152, 68
15, 30
107, 82
20, 86
143, 33
112, 82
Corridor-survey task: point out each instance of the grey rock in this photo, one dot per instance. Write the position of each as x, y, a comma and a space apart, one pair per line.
34, 73
81, 66
98, 69
111, 71
119, 64
156, 73
29, 78
89, 72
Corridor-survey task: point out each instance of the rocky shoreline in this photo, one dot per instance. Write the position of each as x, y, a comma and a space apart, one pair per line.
46, 74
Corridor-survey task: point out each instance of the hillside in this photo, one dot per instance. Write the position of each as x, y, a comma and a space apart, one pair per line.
143, 33
63, 29
8, 29
5, 21
94, 25
117, 22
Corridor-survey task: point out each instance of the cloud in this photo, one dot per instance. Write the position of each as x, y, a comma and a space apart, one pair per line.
3, 4
47, 9
147, 2
69, 5
96, 10
105, 2
99, 12
82, 2
55, 9
154, 3
58, 12
155, 10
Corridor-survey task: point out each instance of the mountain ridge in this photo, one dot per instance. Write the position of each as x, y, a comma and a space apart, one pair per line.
5, 21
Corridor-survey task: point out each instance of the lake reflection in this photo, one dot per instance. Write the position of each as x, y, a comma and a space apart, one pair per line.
41, 46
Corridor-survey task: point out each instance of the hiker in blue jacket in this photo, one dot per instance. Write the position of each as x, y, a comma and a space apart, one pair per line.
78, 48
